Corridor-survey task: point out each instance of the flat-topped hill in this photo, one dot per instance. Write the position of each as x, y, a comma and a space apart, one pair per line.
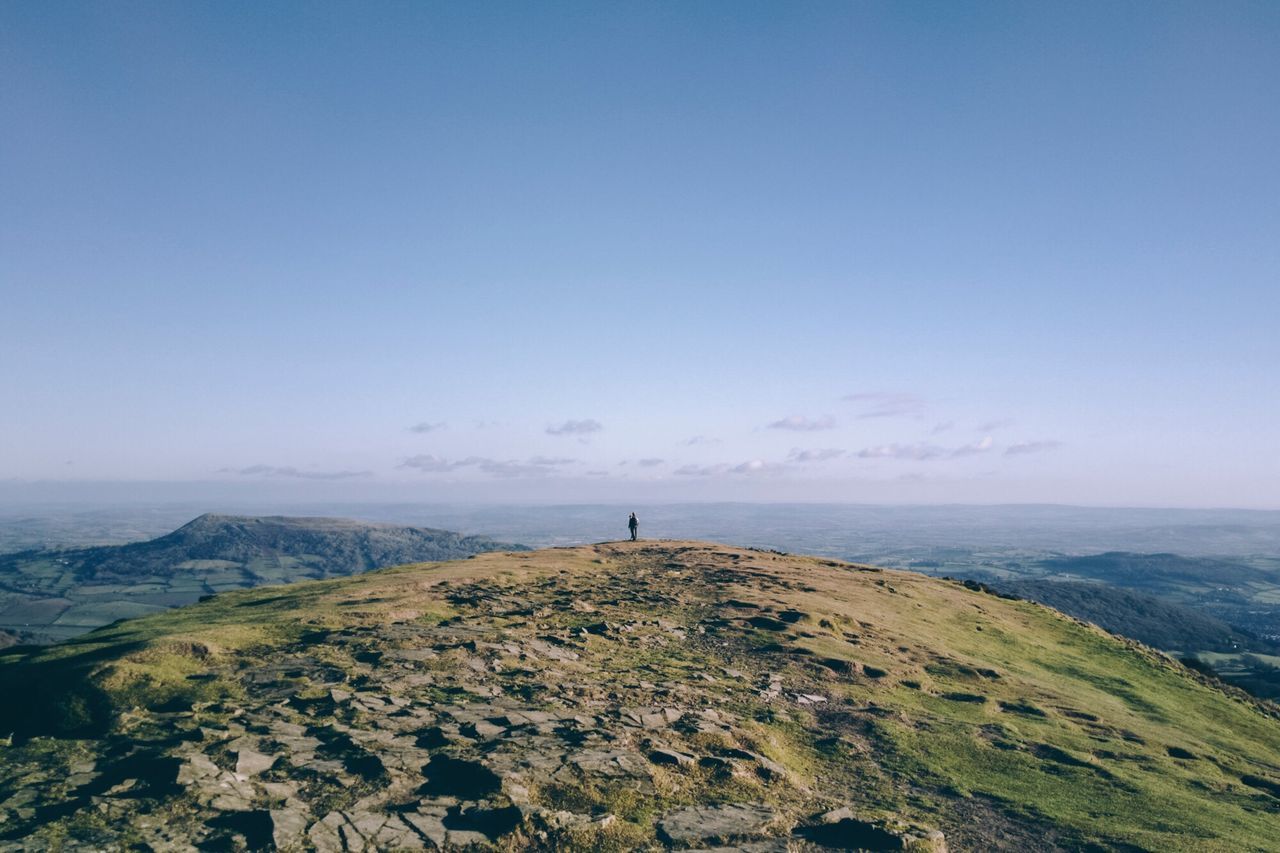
333, 545
55, 594
623, 696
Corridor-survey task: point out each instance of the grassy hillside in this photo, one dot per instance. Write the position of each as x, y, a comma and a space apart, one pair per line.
55, 594
627, 695
1150, 620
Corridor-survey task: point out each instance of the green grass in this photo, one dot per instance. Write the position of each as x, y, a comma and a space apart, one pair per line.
1151, 807
1052, 723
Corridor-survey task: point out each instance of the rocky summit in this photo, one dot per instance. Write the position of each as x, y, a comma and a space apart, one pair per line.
626, 696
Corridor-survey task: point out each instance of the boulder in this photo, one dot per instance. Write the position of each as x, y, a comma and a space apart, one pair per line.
672, 757
288, 825
250, 762
715, 824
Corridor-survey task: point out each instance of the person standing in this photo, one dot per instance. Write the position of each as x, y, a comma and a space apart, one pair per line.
634, 525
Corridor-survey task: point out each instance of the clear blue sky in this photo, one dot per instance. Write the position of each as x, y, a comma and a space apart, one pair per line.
898, 252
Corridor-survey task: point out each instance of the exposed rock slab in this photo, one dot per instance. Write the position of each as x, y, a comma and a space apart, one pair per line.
715, 824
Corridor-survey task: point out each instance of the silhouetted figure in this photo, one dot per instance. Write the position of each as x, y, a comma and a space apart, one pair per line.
634, 525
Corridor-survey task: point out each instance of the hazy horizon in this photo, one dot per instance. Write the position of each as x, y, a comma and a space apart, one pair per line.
878, 533
879, 253
103, 494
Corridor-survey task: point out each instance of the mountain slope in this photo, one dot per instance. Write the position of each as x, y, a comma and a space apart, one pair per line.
1155, 571
336, 545
627, 695
56, 594
1145, 618
1244, 593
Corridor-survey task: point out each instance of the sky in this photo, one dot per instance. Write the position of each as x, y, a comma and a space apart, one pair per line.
867, 252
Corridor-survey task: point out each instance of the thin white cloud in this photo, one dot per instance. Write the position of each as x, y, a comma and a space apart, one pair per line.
582, 427
1028, 447
923, 451
981, 446
822, 455
801, 423
700, 440
296, 473
917, 452
886, 404
534, 467
750, 467
700, 470
940, 428
650, 462
427, 426
428, 463
756, 466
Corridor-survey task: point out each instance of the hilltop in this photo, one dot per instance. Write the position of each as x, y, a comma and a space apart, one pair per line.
58, 593
621, 696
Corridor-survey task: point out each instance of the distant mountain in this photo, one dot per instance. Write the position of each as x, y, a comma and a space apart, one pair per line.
1243, 592
332, 546
57, 593
1155, 571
